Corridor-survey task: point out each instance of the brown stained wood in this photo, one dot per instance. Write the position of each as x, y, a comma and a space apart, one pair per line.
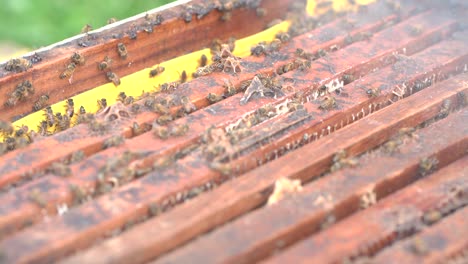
169, 40
12, 168
234, 198
369, 231
86, 171
332, 197
441, 242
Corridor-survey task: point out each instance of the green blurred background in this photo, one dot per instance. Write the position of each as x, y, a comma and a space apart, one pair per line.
36, 23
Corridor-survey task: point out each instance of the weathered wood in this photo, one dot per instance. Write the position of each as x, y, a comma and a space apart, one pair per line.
369, 231
252, 189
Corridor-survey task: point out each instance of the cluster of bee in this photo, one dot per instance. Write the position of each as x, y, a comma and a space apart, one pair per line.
76, 60
106, 64
22, 91
223, 60
61, 122
299, 64
14, 138
392, 145
18, 65
163, 132
264, 48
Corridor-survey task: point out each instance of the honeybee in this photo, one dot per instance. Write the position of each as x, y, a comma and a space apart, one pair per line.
77, 58
59, 169
202, 71
5, 127
102, 103
126, 100
18, 65
86, 28
113, 78
111, 20
183, 76
113, 141
39, 104
203, 60
69, 70
156, 71
179, 130
427, 165
213, 98
373, 92
42, 128
70, 107
97, 126
164, 119
138, 130
36, 196
187, 105
168, 87
49, 116
258, 49
160, 108
106, 63
230, 89
63, 122
122, 50
22, 130
328, 103
160, 132
283, 36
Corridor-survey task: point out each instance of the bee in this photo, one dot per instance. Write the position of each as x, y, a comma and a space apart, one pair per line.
76, 157
23, 130
187, 105
230, 89
82, 110
40, 103
122, 50
328, 103
160, 109
18, 65
49, 116
373, 92
36, 196
63, 122
69, 70
223, 168
70, 107
42, 128
216, 46
10, 143
203, 60
168, 87
202, 71
275, 45
79, 194
164, 119
347, 78
135, 108
283, 36
428, 165
113, 141
111, 20
161, 132
156, 71
102, 103
163, 162
179, 130
321, 53
183, 77
6, 128
138, 130
86, 28
418, 246
431, 217
226, 16
258, 49
213, 98
285, 68
78, 59
113, 78
59, 169
105, 64
97, 126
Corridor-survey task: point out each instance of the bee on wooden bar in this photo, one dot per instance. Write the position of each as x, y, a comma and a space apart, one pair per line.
258, 49
6, 128
137, 129
113, 141
63, 122
328, 103
213, 98
41, 102
135, 108
187, 105
23, 130
169, 87
226, 16
164, 119
113, 78
59, 169
161, 132
105, 64
179, 130
18, 65
202, 71
102, 103
78, 59
347, 78
428, 165
76, 157
160, 109
154, 72
283, 36
203, 60
69, 70
86, 28
42, 128
70, 107
122, 50
97, 126
373, 92
50, 118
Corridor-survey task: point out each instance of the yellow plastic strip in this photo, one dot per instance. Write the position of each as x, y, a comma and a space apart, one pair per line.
138, 82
